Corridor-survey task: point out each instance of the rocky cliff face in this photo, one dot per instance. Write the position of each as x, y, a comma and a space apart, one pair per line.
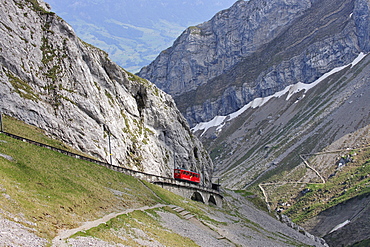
271, 132
52, 79
255, 49
134, 32
205, 51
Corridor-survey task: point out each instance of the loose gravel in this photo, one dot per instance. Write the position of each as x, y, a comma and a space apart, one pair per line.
14, 234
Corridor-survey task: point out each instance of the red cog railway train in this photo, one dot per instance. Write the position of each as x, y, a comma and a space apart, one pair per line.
185, 175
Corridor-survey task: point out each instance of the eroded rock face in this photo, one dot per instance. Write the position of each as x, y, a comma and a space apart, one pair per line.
53, 80
205, 51
255, 49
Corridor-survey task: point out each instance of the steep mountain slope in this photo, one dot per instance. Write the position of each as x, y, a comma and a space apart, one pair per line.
46, 197
295, 121
279, 106
255, 49
53, 80
134, 32
298, 141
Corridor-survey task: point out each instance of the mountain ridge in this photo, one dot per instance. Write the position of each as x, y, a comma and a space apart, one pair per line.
269, 68
290, 90
52, 79
134, 33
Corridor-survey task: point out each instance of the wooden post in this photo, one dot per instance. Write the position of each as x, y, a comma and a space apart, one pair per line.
1, 122
203, 176
110, 149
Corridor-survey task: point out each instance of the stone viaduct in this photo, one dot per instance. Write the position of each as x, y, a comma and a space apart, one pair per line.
196, 193
192, 191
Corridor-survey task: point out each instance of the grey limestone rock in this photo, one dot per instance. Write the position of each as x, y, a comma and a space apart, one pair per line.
51, 79
255, 49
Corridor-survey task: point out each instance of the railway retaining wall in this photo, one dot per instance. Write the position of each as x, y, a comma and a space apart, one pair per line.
192, 191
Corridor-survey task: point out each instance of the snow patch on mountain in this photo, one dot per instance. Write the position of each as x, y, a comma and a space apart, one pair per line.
220, 121
340, 226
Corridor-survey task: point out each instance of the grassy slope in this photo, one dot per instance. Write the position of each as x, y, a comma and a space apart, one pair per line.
48, 191
55, 191
351, 181
14, 126
144, 225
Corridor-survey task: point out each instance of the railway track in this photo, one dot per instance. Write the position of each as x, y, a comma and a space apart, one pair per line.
152, 178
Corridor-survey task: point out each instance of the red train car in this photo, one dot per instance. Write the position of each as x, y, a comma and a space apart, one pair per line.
184, 175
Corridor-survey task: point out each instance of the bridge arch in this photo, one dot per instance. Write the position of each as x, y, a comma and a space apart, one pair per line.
191, 191
197, 197
212, 200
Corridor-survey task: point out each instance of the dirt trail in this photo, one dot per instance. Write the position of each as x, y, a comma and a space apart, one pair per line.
59, 240
310, 167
